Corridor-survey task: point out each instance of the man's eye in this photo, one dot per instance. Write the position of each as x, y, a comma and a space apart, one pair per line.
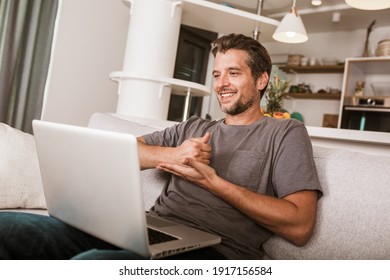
233, 73
216, 76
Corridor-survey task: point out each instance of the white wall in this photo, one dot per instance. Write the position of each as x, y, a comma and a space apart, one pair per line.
89, 43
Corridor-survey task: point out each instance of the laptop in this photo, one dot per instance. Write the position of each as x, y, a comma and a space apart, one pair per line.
91, 181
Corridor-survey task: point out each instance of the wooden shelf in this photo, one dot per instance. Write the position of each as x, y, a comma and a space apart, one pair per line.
313, 69
327, 96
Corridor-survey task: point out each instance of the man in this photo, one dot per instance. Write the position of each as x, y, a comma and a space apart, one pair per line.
244, 178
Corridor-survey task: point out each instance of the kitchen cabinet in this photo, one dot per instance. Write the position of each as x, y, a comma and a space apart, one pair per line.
367, 110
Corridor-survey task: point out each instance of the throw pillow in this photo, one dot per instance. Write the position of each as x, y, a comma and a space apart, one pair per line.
20, 179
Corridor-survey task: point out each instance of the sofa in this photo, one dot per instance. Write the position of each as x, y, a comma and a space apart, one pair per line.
353, 215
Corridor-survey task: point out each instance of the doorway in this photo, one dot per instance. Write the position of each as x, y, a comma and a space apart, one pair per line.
191, 65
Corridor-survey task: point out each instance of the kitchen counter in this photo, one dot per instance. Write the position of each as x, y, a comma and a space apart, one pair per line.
377, 143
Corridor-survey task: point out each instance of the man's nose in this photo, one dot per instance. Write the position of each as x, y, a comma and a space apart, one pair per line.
223, 81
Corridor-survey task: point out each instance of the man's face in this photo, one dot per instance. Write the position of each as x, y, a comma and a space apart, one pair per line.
234, 85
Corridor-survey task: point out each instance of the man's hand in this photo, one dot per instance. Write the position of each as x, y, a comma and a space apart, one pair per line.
194, 155
195, 148
191, 170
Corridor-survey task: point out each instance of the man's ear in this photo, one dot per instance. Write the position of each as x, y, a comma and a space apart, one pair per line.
262, 81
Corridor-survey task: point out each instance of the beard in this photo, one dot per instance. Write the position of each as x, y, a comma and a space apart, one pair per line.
238, 107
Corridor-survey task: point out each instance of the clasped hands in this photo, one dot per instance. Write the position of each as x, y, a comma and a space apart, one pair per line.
192, 161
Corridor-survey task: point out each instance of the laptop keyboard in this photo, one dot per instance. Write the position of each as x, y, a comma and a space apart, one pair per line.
156, 236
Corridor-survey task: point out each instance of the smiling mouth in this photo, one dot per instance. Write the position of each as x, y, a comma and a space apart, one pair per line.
226, 94
226, 97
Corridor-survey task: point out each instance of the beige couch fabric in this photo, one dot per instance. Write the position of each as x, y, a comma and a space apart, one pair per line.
20, 180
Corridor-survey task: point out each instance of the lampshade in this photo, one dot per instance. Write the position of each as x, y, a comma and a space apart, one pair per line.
369, 5
291, 28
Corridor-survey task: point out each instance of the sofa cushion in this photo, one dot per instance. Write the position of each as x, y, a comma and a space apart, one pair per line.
20, 180
353, 220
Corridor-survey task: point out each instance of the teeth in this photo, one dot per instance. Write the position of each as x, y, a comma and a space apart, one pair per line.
226, 94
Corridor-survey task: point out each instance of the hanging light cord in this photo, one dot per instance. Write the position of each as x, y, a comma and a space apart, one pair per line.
256, 32
294, 9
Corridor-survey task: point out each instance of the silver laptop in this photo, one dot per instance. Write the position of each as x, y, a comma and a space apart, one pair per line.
91, 180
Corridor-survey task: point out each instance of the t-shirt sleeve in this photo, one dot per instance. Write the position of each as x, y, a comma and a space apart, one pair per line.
166, 137
176, 134
294, 168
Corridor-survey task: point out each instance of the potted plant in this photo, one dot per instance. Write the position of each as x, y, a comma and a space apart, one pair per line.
274, 97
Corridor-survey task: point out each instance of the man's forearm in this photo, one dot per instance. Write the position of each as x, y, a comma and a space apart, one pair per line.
292, 217
151, 156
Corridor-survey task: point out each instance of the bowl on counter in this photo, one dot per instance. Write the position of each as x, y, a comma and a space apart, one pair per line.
381, 88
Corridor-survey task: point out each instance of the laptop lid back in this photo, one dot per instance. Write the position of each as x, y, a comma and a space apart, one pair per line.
84, 169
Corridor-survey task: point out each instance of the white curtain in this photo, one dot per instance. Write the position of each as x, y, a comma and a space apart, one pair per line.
26, 33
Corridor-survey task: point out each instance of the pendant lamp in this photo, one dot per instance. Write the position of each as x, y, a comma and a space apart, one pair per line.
369, 5
291, 28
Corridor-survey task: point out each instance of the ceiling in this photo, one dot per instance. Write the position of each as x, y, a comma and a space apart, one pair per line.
316, 19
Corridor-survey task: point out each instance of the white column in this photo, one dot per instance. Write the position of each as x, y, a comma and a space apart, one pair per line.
150, 52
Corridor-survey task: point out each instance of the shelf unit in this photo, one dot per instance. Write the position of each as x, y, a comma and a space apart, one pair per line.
180, 87
321, 107
316, 69
369, 70
372, 117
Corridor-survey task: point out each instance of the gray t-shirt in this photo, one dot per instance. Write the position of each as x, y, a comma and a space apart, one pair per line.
270, 156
